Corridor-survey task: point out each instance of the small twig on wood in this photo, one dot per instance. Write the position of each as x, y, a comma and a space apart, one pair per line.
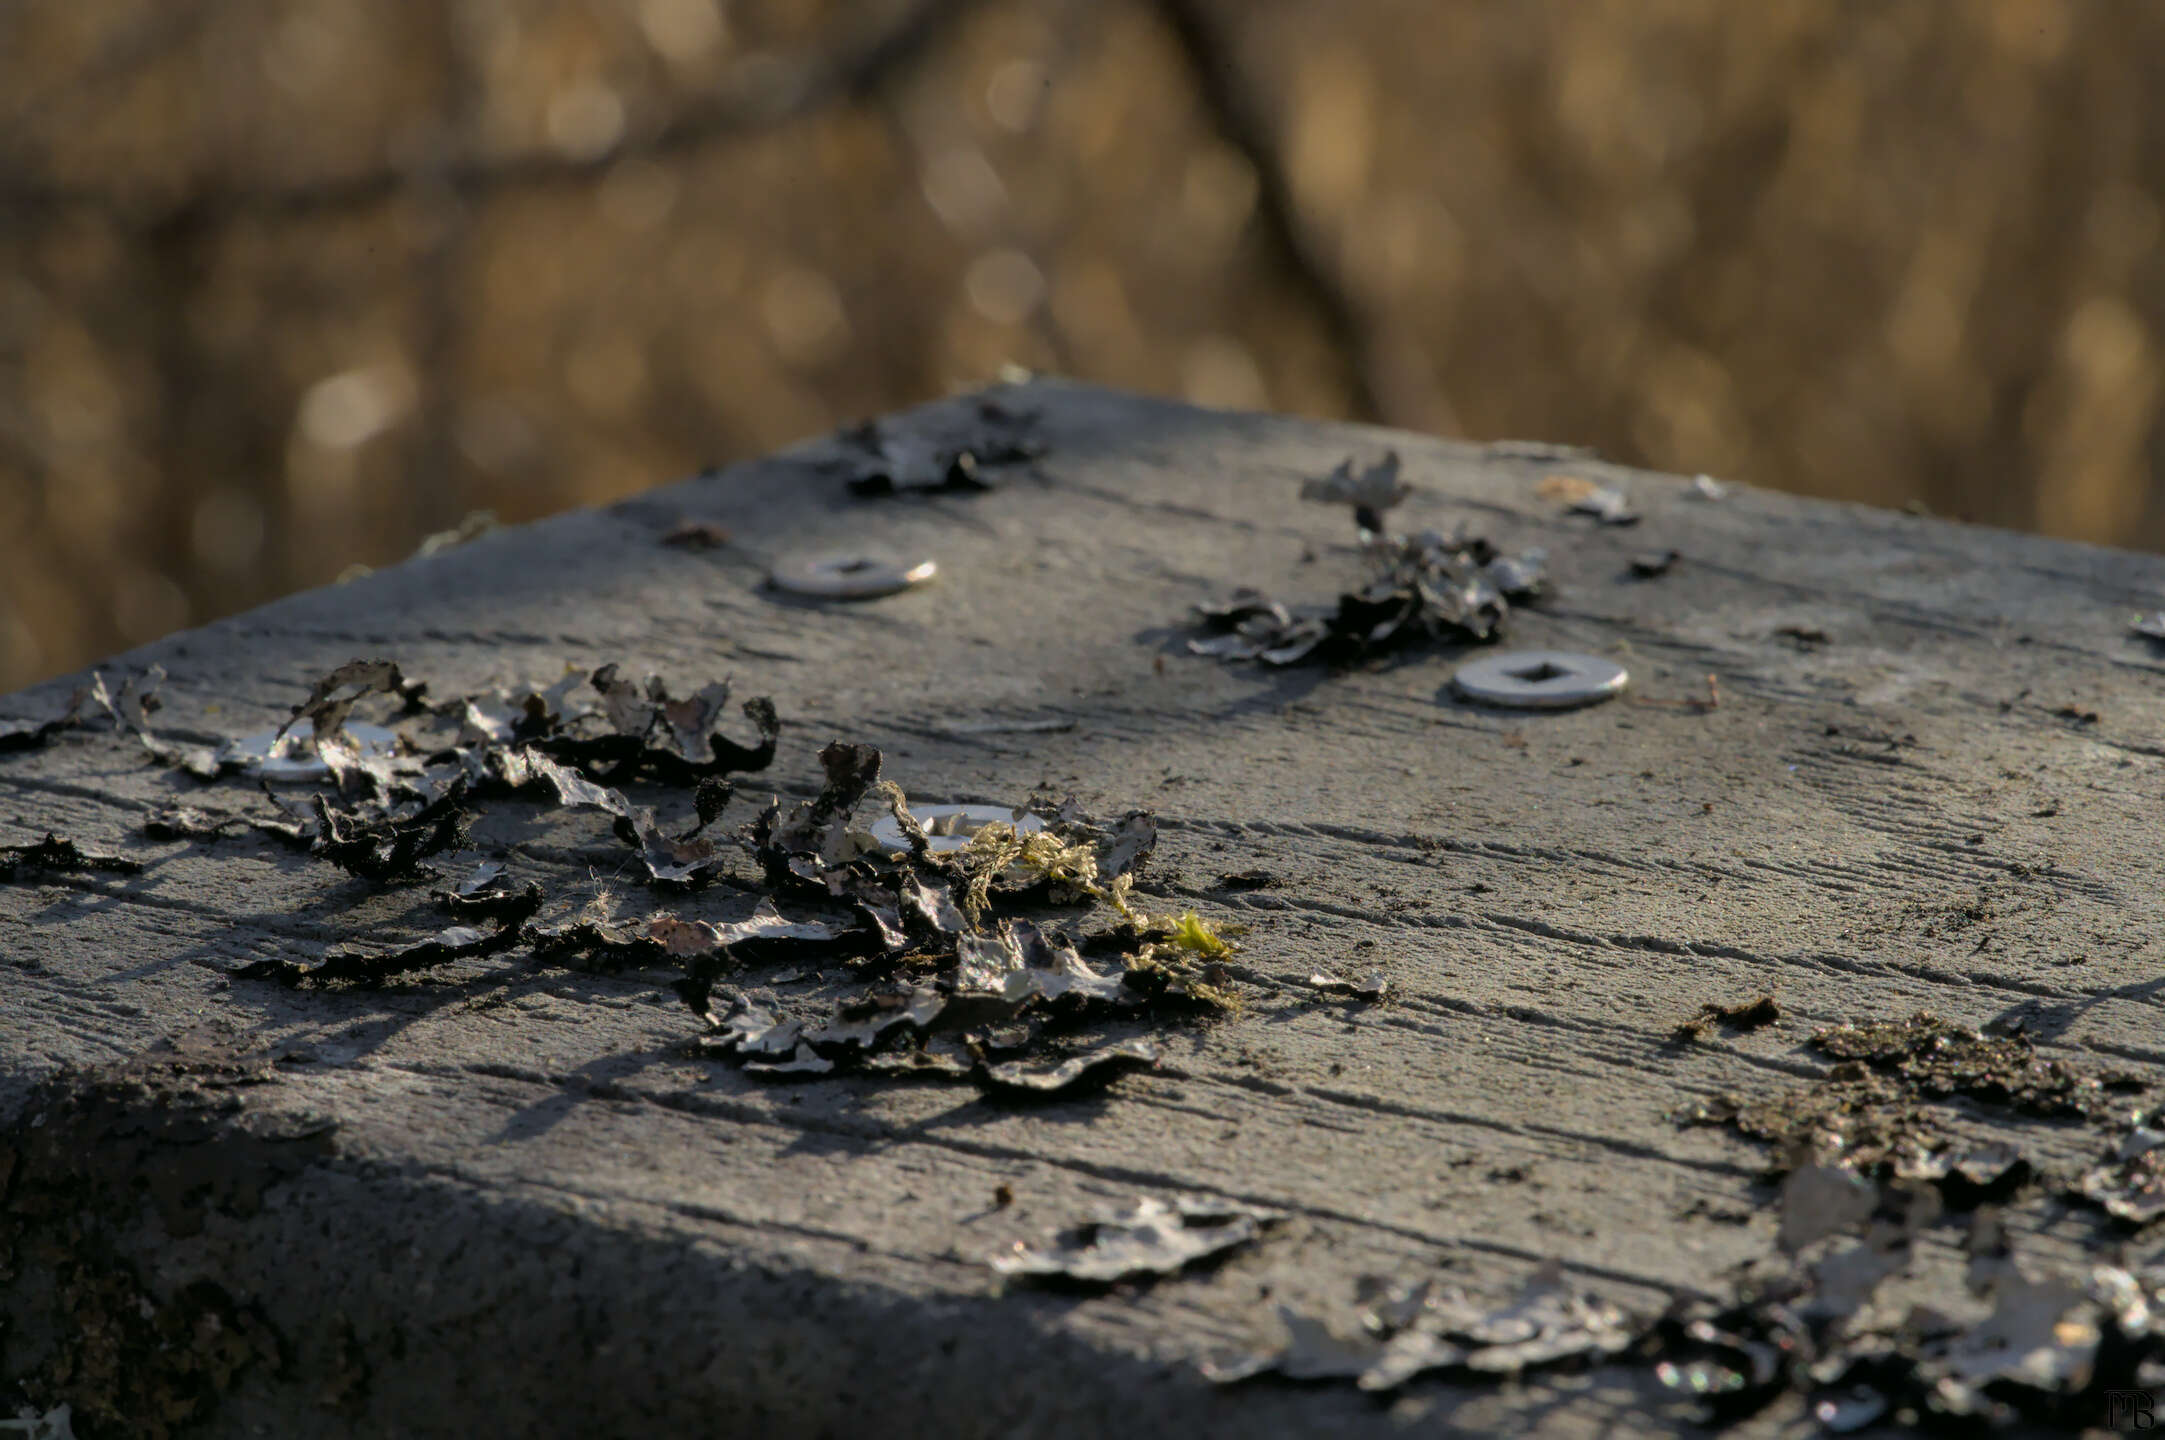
1699, 704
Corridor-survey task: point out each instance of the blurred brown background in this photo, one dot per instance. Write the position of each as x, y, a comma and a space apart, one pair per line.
287, 284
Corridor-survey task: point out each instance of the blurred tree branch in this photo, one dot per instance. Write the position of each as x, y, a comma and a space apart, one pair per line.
440, 502
1243, 118
166, 28
766, 97
754, 101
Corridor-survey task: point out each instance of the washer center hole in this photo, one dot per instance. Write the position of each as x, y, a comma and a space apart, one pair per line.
1539, 671
856, 566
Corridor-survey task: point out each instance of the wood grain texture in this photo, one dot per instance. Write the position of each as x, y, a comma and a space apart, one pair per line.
542, 1219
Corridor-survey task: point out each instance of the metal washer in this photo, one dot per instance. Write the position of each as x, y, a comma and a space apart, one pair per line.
849, 576
1540, 679
291, 759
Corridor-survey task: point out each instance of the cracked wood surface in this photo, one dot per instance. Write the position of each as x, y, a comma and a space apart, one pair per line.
542, 1218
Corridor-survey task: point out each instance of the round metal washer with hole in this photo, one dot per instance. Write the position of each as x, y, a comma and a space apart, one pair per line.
849, 576
952, 827
1539, 679
291, 759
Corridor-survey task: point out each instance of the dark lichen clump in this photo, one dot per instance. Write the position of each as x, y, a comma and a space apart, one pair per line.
1426, 588
1883, 1109
949, 961
1939, 1059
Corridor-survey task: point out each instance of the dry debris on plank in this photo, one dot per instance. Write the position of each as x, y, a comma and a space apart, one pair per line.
2129, 1184
973, 997
56, 854
1939, 1059
593, 938
960, 982
295, 829
488, 894
1581, 496
1875, 1109
975, 977
2050, 1351
1872, 1160
690, 859
388, 846
508, 769
1369, 489
764, 935
1369, 987
30, 734
803, 1061
1564, 489
1063, 1077
487, 876
881, 459
1149, 1238
655, 736
361, 963
537, 742
1806, 638
691, 534
1409, 1329
1422, 588
471, 527
1811, 1319
1609, 506
1969, 1175
980, 991
129, 706
332, 698
1745, 1015
330, 701
192, 822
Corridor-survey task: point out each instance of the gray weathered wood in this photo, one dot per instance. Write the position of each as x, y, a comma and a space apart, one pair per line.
539, 1218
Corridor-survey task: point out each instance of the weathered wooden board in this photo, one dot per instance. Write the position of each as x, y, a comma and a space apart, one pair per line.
535, 1216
